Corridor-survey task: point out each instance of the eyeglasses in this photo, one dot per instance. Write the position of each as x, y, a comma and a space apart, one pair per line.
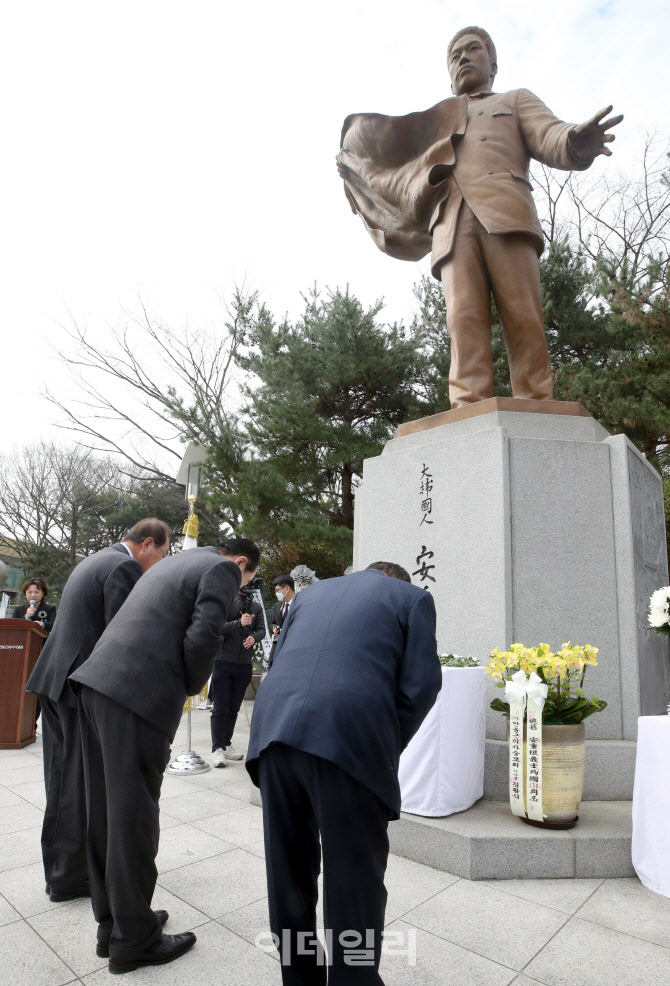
165, 553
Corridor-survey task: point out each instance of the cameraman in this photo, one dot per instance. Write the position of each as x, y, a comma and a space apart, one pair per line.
233, 670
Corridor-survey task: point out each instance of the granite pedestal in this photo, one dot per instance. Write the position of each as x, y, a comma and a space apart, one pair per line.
528, 522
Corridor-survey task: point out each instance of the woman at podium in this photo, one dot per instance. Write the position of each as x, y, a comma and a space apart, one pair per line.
35, 608
40, 612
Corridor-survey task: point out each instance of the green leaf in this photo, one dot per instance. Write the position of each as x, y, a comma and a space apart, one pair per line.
579, 703
597, 705
499, 706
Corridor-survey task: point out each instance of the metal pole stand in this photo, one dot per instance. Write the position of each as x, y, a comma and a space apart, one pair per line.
190, 762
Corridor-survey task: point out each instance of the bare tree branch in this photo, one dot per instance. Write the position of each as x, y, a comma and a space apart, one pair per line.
624, 226
149, 388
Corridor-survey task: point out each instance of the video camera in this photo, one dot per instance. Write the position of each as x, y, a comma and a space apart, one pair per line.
247, 592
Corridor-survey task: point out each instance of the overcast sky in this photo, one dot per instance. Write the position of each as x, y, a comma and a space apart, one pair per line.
170, 150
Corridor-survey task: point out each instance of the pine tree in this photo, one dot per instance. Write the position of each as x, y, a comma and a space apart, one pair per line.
627, 385
324, 393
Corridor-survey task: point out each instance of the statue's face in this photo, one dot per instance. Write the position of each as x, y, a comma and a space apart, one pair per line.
470, 65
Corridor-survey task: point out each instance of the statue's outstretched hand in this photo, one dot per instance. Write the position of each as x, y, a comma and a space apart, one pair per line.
590, 139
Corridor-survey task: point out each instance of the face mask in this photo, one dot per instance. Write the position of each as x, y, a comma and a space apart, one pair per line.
280, 596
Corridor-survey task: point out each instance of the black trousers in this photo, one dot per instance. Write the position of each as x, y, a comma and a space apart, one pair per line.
124, 760
304, 796
64, 825
228, 685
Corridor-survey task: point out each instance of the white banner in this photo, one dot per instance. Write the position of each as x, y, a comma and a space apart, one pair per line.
536, 694
267, 639
527, 694
515, 693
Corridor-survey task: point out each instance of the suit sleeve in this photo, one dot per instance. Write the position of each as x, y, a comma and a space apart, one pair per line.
216, 593
420, 677
233, 626
118, 586
547, 138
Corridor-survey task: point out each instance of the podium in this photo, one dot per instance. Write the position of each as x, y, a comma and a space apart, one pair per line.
20, 645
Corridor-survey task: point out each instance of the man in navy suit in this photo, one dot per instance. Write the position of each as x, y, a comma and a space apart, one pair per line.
93, 594
355, 672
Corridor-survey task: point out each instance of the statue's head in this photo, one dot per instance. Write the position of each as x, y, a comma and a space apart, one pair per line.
472, 60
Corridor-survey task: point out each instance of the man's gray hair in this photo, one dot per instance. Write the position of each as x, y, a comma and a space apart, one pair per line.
391, 569
150, 527
481, 33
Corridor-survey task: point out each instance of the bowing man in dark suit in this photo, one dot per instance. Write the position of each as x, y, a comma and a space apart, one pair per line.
285, 592
92, 595
355, 672
159, 648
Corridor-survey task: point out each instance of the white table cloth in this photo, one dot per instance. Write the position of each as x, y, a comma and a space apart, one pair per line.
651, 804
442, 769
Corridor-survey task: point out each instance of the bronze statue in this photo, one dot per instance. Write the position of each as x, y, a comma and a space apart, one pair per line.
453, 181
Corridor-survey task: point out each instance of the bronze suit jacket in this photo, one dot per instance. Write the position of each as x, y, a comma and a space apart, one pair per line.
407, 176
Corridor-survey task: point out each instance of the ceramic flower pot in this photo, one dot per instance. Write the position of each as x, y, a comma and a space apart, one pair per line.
563, 757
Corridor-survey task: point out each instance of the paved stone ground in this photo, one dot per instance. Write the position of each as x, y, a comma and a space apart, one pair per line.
212, 879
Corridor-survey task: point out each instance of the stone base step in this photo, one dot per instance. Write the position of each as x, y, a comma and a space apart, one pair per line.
487, 842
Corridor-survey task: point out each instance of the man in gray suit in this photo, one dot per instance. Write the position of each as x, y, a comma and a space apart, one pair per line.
94, 593
159, 648
355, 672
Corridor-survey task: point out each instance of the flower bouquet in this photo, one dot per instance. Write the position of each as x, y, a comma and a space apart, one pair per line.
659, 610
546, 705
563, 672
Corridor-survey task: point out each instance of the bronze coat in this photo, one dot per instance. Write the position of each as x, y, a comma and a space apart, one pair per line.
407, 176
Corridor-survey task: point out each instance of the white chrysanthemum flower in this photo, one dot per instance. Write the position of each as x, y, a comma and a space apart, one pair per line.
659, 608
660, 598
658, 618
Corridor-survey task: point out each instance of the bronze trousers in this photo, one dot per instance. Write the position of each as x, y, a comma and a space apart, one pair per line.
506, 266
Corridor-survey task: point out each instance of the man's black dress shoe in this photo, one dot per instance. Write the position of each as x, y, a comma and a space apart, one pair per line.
102, 948
47, 889
56, 898
166, 949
